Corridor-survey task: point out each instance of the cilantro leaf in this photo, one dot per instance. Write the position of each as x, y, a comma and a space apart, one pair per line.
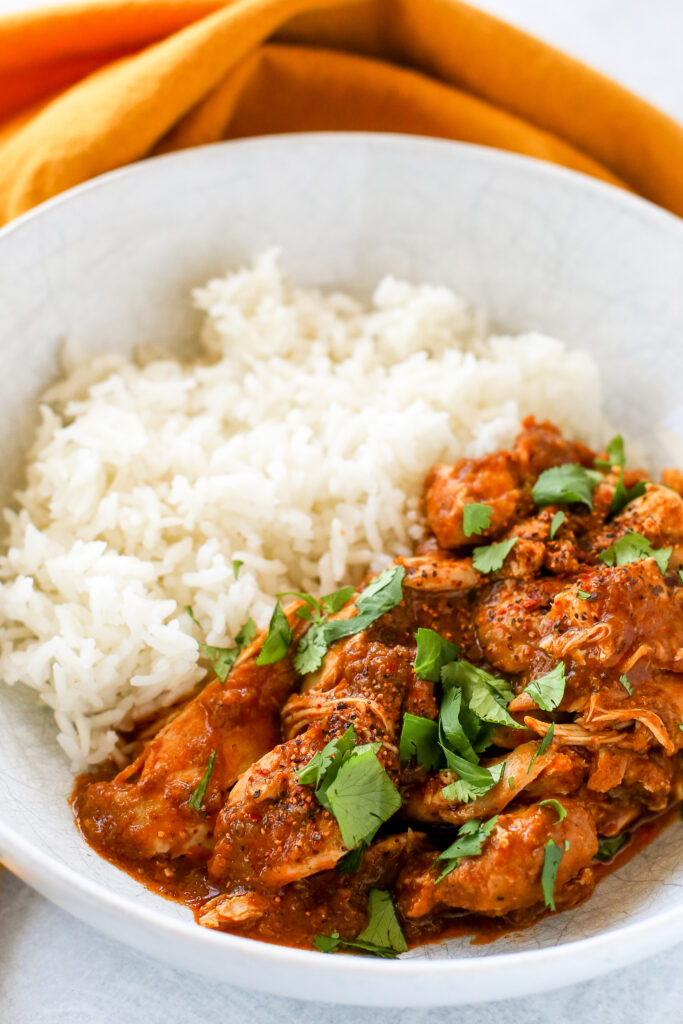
552, 802
633, 547
583, 595
625, 683
311, 649
456, 730
278, 639
476, 518
312, 602
551, 862
315, 771
380, 596
336, 601
491, 557
382, 935
474, 780
565, 485
351, 861
223, 658
487, 696
433, 652
469, 843
236, 566
197, 797
420, 739
548, 691
543, 745
556, 523
608, 848
382, 929
616, 456
361, 797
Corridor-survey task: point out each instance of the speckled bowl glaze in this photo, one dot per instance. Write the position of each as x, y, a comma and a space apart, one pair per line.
111, 264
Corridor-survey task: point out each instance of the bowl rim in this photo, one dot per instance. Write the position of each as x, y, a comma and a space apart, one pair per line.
636, 940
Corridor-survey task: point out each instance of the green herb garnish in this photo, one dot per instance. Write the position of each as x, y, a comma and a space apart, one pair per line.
223, 658
476, 518
473, 779
543, 745
583, 595
351, 783
556, 523
469, 843
197, 797
633, 547
565, 485
551, 862
609, 847
236, 566
433, 652
548, 691
351, 861
380, 596
278, 638
627, 686
420, 740
491, 557
616, 456
382, 935
552, 802
487, 696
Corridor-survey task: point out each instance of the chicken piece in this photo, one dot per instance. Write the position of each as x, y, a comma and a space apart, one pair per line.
507, 875
509, 621
436, 571
272, 831
657, 516
144, 811
656, 705
493, 480
630, 613
520, 768
540, 446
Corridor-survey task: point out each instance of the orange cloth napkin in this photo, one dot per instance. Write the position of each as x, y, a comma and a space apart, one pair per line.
84, 89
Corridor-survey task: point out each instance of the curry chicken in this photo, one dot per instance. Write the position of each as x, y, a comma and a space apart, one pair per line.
465, 737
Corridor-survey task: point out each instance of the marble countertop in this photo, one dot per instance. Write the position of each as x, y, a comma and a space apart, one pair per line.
55, 970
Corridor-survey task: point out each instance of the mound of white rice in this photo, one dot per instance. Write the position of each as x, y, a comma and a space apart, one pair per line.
296, 442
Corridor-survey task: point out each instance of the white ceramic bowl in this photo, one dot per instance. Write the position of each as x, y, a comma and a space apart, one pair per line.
111, 263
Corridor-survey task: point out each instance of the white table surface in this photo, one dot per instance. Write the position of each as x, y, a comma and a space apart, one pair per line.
55, 970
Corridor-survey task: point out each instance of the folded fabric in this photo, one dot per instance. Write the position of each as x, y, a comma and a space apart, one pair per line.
85, 89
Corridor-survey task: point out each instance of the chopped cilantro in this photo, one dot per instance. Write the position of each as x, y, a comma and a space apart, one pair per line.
469, 842
433, 652
551, 862
476, 518
236, 566
473, 779
568, 484
625, 683
352, 785
278, 639
487, 696
556, 523
223, 658
491, 557
420, 740
511, 782
583, 595
616, 456
382, 935
197, 797
552, 802
680, 575
380, 596
609, 847
543, 745
548, 691
351, 861
633, 547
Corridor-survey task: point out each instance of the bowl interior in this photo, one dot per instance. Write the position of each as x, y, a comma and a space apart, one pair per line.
111, 265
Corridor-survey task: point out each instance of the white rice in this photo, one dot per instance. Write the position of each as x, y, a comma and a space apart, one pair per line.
297, 442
